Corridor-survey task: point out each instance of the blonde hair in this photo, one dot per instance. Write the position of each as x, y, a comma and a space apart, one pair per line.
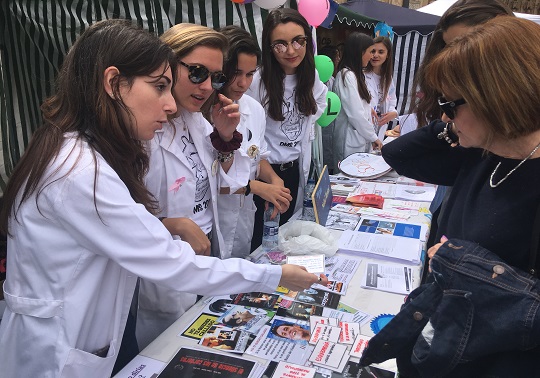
496, 72
184, 38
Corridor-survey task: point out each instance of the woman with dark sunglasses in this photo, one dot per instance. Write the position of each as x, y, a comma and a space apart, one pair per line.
288, 87
189, 160
490, 83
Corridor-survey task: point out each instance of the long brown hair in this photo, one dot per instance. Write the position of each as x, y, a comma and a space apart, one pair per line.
387, 68
462, 12
272, 74
356, 44
81, 105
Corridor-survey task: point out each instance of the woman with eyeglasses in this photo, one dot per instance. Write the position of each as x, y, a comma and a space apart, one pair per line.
80, 223
354, 129
288, 87
190, 159
459, 19
488, 150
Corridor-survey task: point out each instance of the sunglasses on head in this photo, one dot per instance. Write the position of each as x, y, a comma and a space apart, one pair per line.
297, 43
198, 73
449, 107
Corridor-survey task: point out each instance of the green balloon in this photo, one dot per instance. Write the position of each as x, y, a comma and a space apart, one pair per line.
333, 107
324, 66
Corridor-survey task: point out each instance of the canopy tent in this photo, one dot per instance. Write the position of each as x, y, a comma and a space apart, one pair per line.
36, 35
412, 32
402, 20
438, 8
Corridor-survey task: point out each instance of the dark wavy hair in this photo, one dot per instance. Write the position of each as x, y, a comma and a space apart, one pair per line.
387, 68
81, 105
462, 12
356, 45
272, 74
240, 42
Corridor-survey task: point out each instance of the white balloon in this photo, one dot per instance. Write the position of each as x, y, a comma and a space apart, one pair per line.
269, 4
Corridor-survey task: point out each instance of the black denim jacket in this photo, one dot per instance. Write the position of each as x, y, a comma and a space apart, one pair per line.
479, 317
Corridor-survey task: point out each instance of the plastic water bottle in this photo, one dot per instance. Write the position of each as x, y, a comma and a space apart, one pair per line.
308, 213
270, 230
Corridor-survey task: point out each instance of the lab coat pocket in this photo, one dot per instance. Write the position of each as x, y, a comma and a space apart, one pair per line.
83, 364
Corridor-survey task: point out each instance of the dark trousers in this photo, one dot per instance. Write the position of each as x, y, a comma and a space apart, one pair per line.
291, 180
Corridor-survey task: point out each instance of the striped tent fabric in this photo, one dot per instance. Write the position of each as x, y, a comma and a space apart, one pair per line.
36, 35
409, 49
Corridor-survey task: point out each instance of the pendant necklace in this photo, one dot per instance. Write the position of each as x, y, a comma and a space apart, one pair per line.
512, 171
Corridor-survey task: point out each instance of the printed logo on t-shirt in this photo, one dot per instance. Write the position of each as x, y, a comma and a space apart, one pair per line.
202, 184
292, 125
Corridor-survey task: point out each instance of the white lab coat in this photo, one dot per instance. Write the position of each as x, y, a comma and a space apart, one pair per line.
354, 130
237, 226
257, 90
159, 307
72, 271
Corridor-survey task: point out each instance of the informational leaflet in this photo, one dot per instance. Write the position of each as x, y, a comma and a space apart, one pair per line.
225, 339
330, 355
288, 370
313, 263
244, 318
415, 193
284, 340
381, 246
198, 363
374, 225
141, 367
393, 278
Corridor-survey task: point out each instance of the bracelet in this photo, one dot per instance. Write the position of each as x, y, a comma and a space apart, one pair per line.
225, 157
220, 145
248, 188
444, 134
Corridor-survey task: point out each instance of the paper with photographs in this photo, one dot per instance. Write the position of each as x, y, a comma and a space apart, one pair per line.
244, 318
225, 339
284, 339
257, 299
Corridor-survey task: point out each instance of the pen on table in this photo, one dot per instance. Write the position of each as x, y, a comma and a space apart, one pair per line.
406, 279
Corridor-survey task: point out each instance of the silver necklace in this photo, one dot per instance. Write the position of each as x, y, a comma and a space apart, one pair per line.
512, 171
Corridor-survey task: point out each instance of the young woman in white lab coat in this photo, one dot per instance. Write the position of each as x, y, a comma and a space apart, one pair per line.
381, 85
288, 87
79, 218
354, 130
243, 57
186, 170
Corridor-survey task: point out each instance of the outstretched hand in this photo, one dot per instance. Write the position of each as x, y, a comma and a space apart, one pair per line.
296, 278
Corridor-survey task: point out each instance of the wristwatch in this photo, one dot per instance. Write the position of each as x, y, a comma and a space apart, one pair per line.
247, 188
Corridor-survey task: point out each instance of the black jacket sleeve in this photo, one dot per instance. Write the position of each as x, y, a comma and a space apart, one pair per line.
422, 156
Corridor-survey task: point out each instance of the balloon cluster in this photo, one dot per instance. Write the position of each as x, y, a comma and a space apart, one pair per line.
325, 68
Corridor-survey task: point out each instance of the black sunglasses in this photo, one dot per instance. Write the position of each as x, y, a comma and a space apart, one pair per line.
198, 73
449, 107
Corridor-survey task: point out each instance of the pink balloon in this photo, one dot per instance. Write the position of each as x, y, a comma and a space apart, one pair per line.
314, 11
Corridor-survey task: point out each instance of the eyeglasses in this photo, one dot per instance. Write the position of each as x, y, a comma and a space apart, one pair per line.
449, 107
198, 74
297, 43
